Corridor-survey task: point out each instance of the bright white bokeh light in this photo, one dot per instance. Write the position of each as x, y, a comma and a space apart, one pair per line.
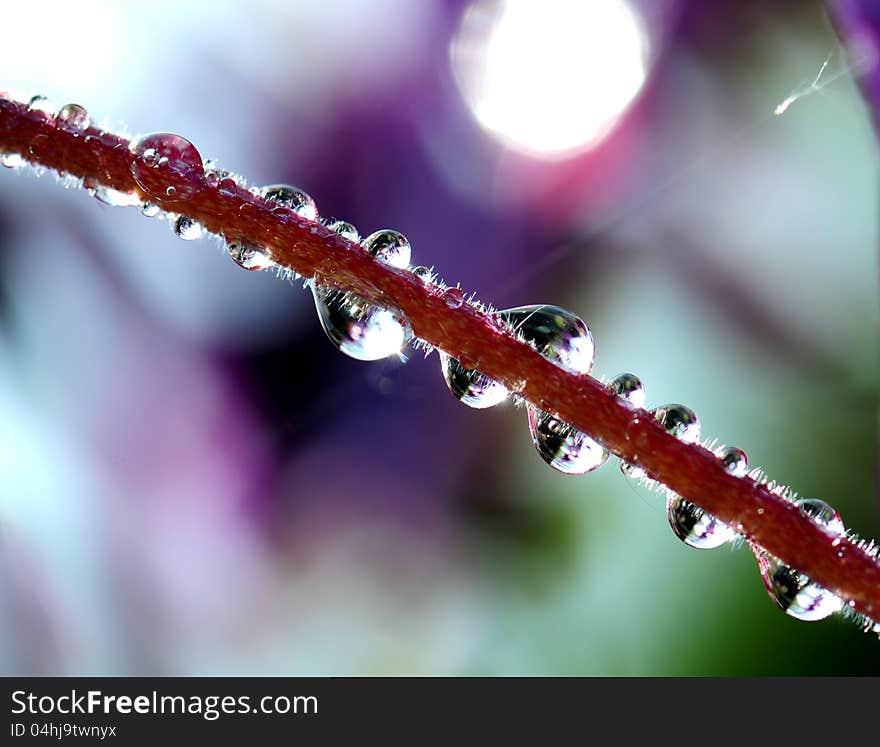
66, 51
550, 78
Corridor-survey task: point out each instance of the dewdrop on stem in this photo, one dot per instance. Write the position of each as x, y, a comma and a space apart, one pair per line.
73, 118
187, 229
356, 327
359, 329
344, 229
565, 340
163, 155
629, 388
563, 446
389, 247
795, 592
291, 198
469, 386
249, 256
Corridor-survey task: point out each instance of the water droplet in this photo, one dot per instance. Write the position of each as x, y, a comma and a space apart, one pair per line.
213, 173
344, 229
632, 471
150, 209
469, 386
228, 186
557, 334
679, 421
39, 146
389, 247
163, 155
694, 526
292, 198
41, 105
11, 160
247, 210
249, 257
187, 229
735, 461
822, 513
564, 447
113, 197
73, 118
425, 274
795, 592
453, 298
629, 388
360, 329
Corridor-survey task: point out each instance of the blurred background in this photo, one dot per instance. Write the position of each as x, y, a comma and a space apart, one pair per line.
194, 481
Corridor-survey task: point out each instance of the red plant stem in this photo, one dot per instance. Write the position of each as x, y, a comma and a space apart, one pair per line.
478, 341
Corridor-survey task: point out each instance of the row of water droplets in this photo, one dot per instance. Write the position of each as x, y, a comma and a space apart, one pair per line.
359, 329
366, 331
71, 118
566, 341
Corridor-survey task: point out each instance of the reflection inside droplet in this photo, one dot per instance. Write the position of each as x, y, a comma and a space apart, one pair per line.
563, 446
359, 329
162, 154
469, 386
556, 333
796, 594
696, 528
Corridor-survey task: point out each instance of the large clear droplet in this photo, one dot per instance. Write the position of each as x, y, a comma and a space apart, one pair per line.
562, 446
453, 298
344, 229
680, 421
163, 155
292, 198
734, 460
564, 339
629, 388
73, 118
359, 329
795, 592
824, 514
691, 524
694, 526
471, 387
557, 334
249, 256
187, 229
389, 247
